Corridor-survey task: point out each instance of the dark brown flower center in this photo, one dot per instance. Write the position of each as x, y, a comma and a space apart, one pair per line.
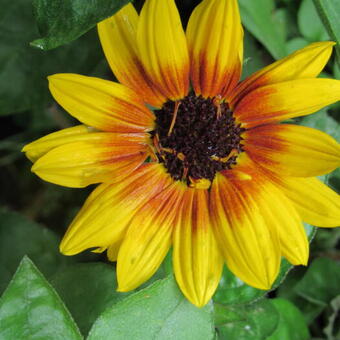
196, 137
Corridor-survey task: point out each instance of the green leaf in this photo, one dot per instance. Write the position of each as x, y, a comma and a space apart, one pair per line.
157, 312
23, 83
321, 282
31, 309
87, 290
291, 325
61, 21
322, 121
233, 291
255, 321
309, 22
257, 17
20, 236
254, 57
329, 12
296, 44
317, 287
332, 330
326, 240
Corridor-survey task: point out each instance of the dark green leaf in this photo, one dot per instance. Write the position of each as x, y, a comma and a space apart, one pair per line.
317, 287
309, 22
329, 12
257, 17
255, 321
321, 282
87, 290
31, 309
254, 57
326, 240
332, 330
23, 83
61, 21
291, 325
20, 236
157, 312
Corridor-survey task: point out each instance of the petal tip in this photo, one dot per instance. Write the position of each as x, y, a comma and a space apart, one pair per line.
65, 249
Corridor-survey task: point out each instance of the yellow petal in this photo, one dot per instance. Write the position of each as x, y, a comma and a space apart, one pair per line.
148, 238
317, 204
292, 150
103, 104
42, 145
307, 62
215, 42
163, 48
242, 219
103, 220
113, 249
118, 38
281, 213
101, 157
273, 103
196, 258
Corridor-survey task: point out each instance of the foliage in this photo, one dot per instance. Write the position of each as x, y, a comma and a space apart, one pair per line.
329, 12
50, 296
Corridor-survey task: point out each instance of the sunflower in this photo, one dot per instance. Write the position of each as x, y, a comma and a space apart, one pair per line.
188, 156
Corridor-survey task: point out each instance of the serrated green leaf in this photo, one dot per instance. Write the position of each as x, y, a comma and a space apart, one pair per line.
87, 289
20, 236
329, 12
257, 17
291, 325
157, 312
321, 282
61, 21
309, 22
31, 310
255, 321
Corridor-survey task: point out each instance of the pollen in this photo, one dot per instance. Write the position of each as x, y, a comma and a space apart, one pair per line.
196, 137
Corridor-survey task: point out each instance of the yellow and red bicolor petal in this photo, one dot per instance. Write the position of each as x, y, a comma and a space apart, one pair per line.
277, 102
305, 63
292, 150
118, 38
244, 226
215, 42
103, 104
163, 48
197, 260
42, 145
103, 220
148, 238
100, 157
316, 203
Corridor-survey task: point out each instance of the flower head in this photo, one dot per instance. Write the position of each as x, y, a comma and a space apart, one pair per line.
210, 171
